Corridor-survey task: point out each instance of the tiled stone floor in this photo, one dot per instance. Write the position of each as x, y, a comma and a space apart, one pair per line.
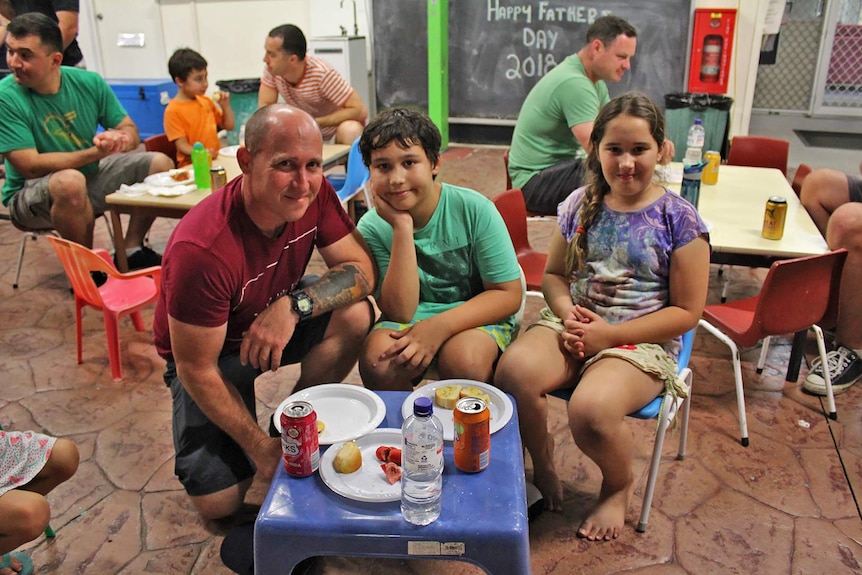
783, 505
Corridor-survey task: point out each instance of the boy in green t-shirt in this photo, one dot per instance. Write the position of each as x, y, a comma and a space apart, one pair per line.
449, 278
191, 116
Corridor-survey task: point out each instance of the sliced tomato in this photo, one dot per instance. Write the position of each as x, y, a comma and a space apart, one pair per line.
392, 471
395, 456
382, 453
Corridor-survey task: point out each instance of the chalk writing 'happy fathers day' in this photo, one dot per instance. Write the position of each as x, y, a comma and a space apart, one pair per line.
540, 42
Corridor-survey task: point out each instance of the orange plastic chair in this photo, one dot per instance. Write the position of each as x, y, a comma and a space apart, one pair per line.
122, 294
759, 152
796, 295
511, 206
160, 143
802, 171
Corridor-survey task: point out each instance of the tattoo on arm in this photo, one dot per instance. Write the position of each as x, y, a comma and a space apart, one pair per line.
340, 286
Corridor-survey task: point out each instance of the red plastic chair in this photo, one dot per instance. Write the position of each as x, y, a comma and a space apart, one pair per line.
122, 294
511, 206
160, 143
796, 295
802, 171
759, 152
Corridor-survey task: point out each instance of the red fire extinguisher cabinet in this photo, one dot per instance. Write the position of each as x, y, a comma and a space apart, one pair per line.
711, 47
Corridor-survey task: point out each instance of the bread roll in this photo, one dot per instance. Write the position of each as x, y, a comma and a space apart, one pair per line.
348, 459
446, 396
473, 391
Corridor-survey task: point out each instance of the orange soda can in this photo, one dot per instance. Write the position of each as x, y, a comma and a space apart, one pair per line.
773, 218
710, 172
472, 444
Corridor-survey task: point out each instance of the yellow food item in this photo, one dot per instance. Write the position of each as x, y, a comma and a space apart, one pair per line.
473, 391
348, 459
446, 396
320, 427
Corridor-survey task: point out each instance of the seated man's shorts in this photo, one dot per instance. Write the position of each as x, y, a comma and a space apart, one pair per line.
854, 185
208, 459
30, 207
545, 190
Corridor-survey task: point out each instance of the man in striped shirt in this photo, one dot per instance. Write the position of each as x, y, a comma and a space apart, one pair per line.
310, 84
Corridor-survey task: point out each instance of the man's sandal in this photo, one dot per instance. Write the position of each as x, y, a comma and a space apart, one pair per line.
26, 564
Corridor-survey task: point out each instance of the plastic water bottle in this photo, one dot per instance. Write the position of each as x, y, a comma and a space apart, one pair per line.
201, 166
422, 464
694, 144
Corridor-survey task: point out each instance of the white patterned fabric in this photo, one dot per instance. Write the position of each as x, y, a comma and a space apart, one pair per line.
23, 454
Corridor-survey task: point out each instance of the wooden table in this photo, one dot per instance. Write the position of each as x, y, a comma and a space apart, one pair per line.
176, 207
734, 207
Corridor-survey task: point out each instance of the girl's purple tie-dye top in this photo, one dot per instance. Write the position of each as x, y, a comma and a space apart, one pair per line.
627, 269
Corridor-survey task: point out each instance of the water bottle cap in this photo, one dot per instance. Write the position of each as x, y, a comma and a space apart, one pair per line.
423, 406
198, 146
698, 121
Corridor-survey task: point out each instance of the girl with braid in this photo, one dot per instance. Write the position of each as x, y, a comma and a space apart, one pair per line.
626, 276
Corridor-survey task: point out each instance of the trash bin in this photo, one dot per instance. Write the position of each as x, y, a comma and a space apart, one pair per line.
681, 110
243, 100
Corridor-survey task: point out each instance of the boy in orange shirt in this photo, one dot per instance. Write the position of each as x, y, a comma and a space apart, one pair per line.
191, 116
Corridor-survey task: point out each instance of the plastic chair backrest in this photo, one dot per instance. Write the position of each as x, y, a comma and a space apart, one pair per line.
511, 206
78, 262
357, 174
796, 293
802, 171
506, 165
759, 152
160, 143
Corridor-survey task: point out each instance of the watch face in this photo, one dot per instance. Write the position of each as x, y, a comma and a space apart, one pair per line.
303, 304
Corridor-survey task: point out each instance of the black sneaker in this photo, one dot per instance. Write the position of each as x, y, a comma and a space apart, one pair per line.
143, 258
845, 368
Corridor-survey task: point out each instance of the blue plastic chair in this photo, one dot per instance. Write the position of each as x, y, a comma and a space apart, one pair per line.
663, 408
355, 180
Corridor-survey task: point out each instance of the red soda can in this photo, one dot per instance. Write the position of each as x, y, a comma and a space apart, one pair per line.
299, 442
472, 434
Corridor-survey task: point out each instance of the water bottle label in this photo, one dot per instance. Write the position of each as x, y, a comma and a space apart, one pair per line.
419, 457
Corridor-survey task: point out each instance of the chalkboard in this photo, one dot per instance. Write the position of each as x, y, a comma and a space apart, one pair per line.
499, 49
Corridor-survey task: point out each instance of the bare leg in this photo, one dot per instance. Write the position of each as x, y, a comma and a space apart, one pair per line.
139, 226
609, 390
822, 192
222, 503
384, 375
333, 358
845, 231
348, 131
71, 211
531, 367
468, 355
61, 465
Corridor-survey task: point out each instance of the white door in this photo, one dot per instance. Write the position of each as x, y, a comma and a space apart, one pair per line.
130, 38
838, 86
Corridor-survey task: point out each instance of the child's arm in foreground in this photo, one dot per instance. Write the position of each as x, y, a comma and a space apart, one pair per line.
399, 289
587, 334
419, 343
555, 282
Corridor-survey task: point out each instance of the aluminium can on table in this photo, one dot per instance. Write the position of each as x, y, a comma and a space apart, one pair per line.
299, 443
773, 218
710, 171
472, 444
218, 177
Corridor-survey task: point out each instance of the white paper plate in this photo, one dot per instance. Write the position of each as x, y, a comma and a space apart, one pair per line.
164, 179
348, 411
500, 408
229, 151
368, 483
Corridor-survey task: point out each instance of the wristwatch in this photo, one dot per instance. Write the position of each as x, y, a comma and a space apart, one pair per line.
302, 304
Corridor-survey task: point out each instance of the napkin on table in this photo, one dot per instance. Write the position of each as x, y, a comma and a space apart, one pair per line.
141, 188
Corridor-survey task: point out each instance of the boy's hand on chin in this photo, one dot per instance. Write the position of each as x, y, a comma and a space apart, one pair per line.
392, 216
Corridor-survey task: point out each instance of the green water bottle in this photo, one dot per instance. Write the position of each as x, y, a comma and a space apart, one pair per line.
201, 166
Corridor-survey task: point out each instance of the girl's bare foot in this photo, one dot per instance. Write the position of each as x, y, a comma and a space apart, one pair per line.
13, 568
607, 519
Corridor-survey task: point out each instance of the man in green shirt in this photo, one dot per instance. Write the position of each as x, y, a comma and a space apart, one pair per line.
58, 169
551, 137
